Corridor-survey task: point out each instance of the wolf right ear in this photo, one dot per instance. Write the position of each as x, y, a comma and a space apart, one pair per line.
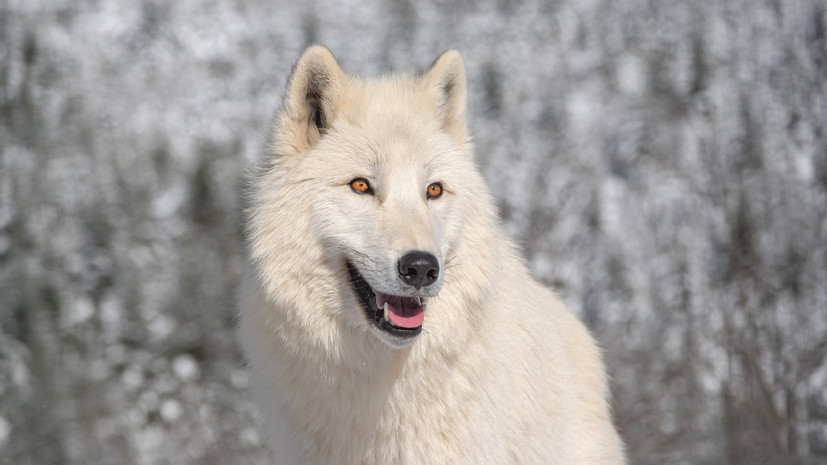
310, 102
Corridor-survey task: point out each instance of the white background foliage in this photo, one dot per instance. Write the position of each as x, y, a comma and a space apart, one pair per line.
663, 165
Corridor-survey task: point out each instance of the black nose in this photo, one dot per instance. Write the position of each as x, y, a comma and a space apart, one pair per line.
418, 269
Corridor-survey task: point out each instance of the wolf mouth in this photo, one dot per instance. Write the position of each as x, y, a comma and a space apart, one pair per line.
399, 316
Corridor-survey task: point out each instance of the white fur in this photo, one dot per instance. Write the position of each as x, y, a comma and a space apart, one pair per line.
502, 372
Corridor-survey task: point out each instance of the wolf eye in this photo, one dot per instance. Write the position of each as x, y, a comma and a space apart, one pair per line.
361, 186
434, 190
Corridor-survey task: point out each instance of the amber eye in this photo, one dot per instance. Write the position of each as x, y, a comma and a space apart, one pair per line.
360, 185
434, 190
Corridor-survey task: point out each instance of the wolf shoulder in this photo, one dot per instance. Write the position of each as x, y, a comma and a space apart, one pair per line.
558, 364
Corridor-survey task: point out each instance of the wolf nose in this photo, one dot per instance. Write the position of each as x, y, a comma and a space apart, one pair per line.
418, 269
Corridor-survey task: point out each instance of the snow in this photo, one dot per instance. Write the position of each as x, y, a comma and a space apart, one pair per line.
185, 367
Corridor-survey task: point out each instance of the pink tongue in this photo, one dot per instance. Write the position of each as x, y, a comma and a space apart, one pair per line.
403, 312
406, 317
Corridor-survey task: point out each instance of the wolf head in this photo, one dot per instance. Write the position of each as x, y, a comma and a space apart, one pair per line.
358, 217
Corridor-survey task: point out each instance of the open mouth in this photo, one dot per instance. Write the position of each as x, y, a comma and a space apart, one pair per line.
399, 316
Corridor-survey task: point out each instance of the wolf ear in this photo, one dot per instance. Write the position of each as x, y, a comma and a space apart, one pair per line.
310, 102
445, 84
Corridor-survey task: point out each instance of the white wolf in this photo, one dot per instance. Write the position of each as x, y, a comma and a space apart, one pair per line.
385, 316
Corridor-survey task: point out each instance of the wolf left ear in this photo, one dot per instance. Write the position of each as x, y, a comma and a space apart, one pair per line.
445, 83
309, 105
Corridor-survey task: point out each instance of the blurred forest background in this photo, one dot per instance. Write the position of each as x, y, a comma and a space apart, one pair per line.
663, 164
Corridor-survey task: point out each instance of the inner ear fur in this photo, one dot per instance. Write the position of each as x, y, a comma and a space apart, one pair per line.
309, 105
445, 83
